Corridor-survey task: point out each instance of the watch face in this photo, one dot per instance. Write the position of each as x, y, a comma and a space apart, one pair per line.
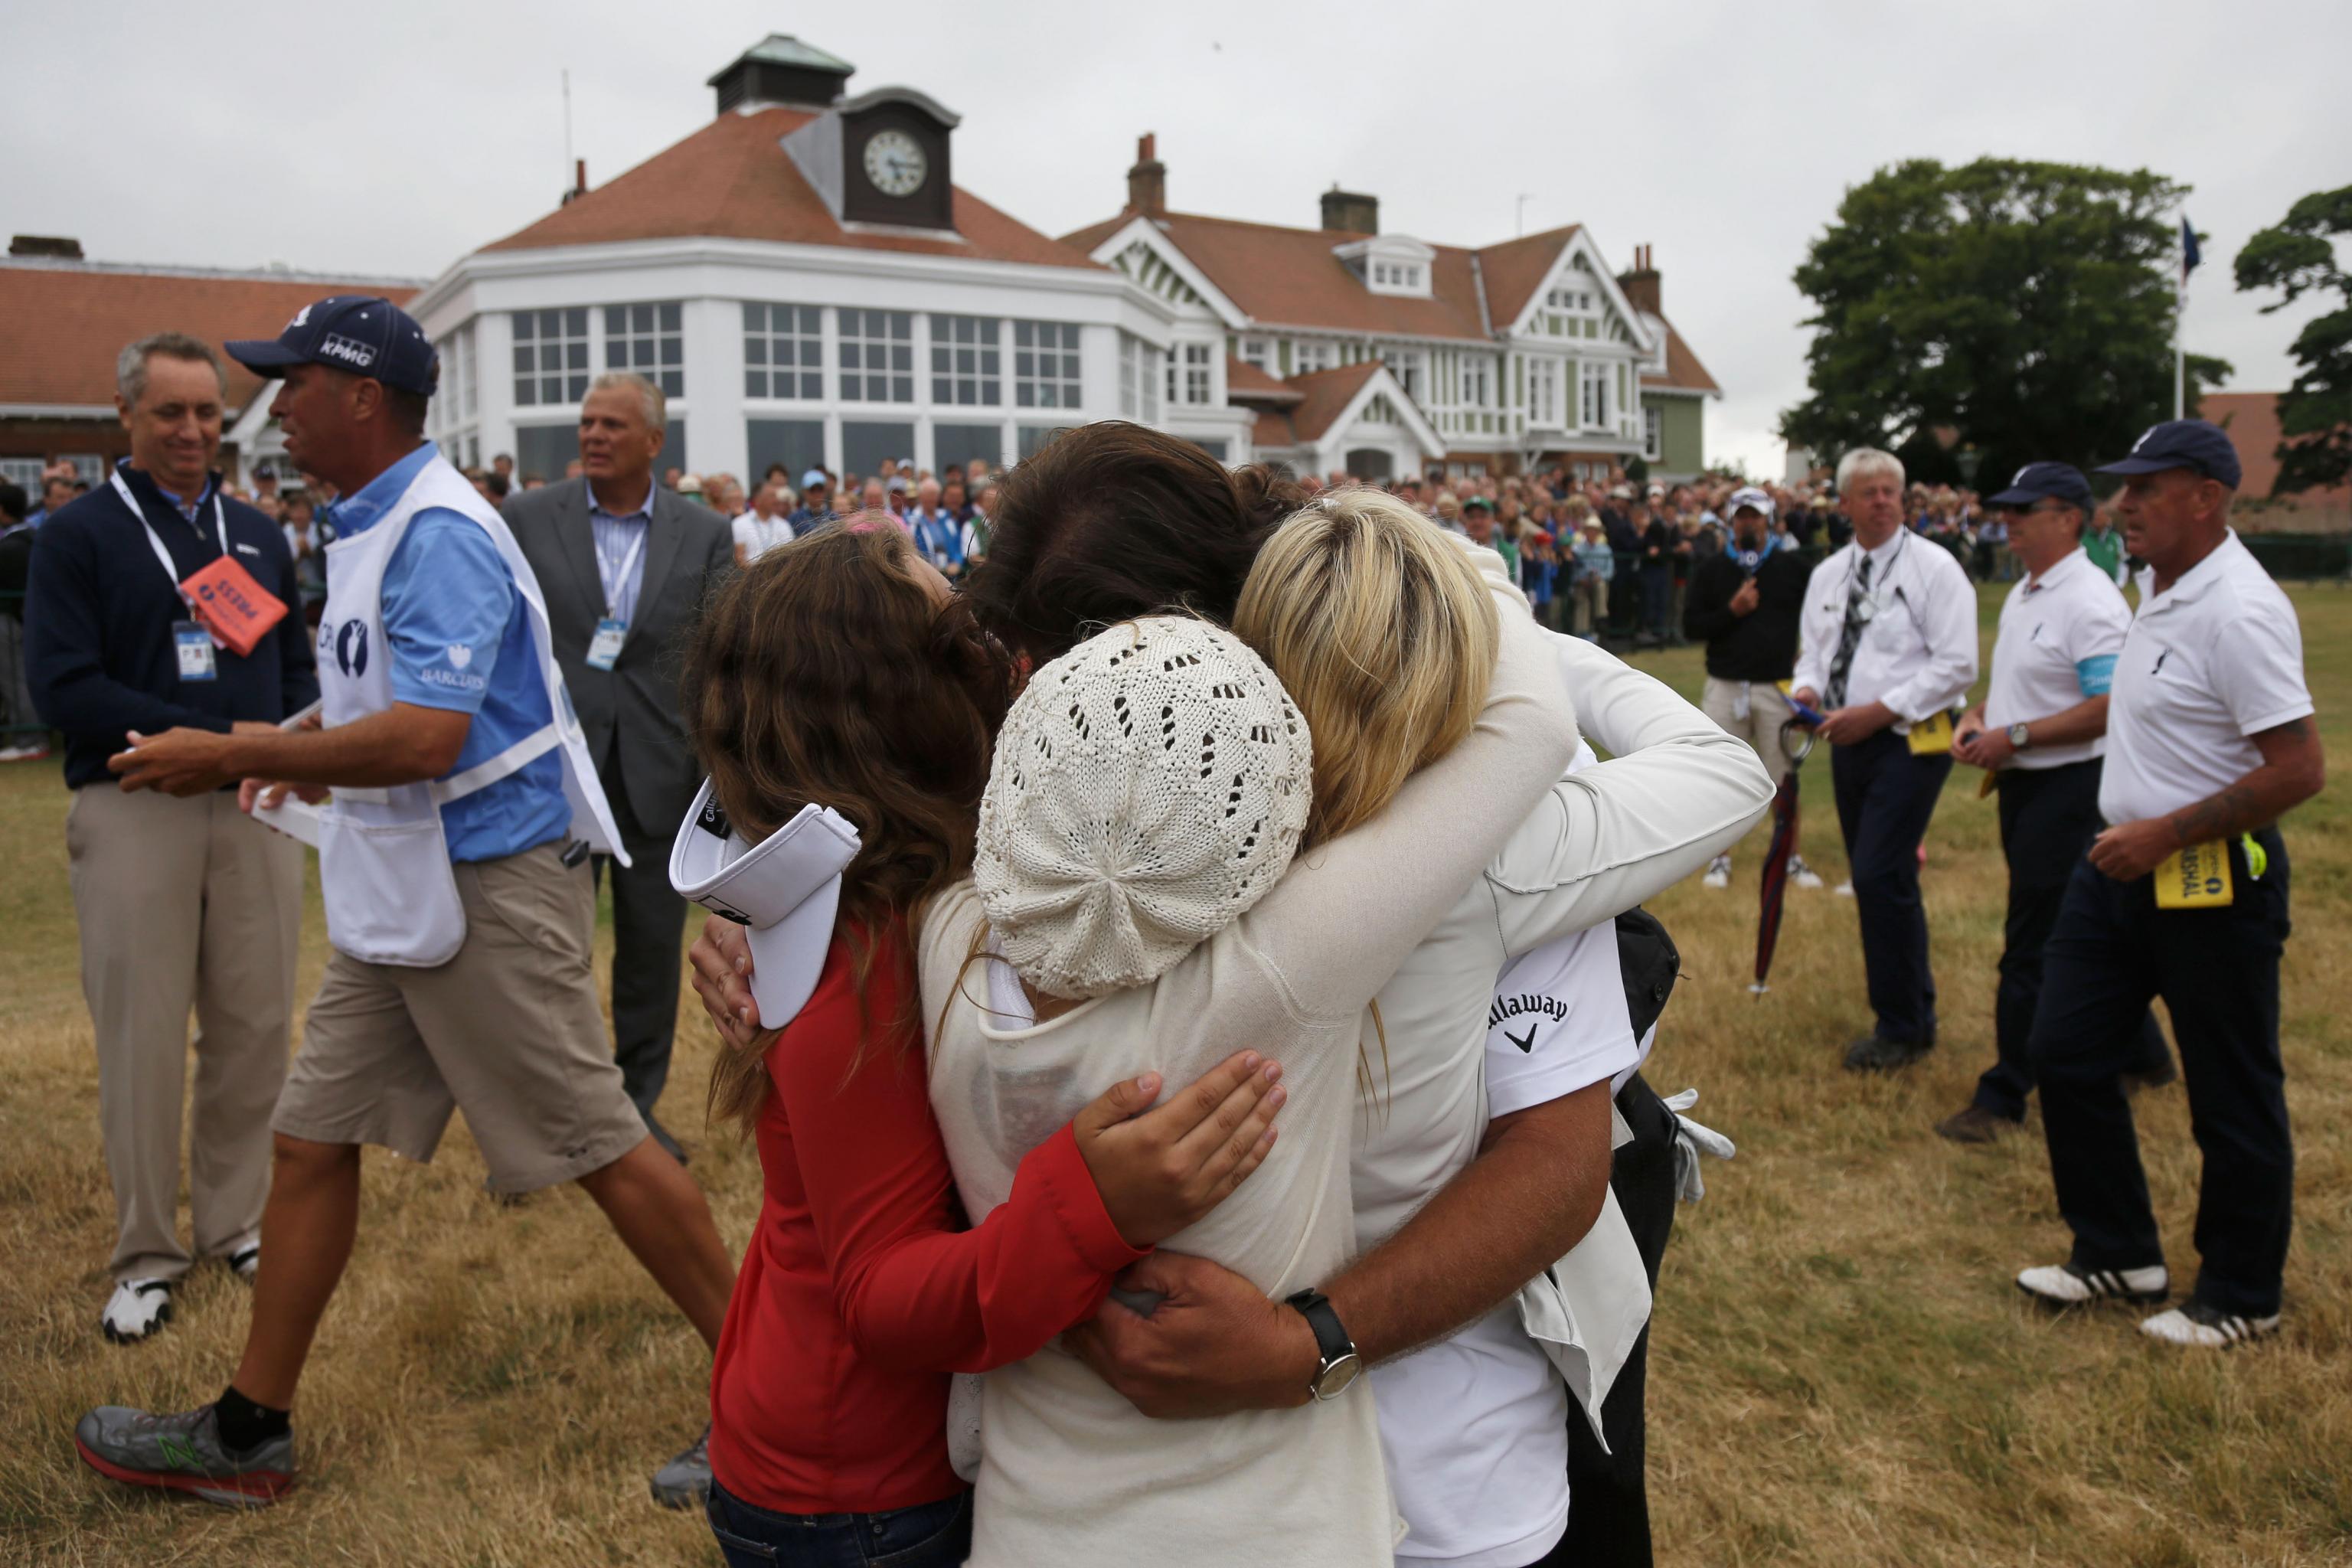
1334, 1379
894, 164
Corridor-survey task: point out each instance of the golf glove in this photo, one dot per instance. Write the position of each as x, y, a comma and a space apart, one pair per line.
1691, 1140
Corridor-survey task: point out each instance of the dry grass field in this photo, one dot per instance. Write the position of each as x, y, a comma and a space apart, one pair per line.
1843, 1374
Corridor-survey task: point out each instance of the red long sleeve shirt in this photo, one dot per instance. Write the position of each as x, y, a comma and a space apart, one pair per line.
861, 1291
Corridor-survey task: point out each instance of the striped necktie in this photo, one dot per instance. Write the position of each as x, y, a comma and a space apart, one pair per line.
1849, 635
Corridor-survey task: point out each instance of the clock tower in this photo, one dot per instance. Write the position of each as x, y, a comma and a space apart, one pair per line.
894, 145
881, 158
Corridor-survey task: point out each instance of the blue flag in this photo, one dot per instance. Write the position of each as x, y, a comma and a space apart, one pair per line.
2189, 255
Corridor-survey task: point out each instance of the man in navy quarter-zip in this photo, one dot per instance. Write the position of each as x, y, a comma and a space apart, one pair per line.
184, 904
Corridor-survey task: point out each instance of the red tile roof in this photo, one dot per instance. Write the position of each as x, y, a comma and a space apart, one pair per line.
1683, 369
1328, 395
1517, 268
1244, 382
2252, 422
62, 324
1289, 277
731, 180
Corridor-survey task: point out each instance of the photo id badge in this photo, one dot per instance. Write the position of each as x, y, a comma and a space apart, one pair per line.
604, 647
197, 660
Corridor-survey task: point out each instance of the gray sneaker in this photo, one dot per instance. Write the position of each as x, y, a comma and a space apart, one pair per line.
184, 1453
684, 1481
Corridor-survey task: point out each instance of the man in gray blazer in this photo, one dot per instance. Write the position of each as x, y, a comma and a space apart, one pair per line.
626, 566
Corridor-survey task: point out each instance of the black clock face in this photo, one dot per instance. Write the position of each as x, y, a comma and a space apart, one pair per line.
896, 164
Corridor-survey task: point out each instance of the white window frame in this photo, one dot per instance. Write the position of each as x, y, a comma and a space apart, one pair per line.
25, 473
1198, 382
1408, 366
1543, 392
1478, 381
860, 335
1048, 372
1594, 380
1654, 432
1130, 396
802, 334
1323, 356
572, 380
1258, 352
647, 338
967, 355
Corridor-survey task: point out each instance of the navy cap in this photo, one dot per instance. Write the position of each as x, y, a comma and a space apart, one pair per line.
2182, 444
2047, 482
364, 334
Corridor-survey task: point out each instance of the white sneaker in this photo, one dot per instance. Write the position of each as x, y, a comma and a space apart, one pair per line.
136, 1309
1843, 889
1804, 876
23, 753
244, 1260
2197, 1326
1719, 871
2064, 1285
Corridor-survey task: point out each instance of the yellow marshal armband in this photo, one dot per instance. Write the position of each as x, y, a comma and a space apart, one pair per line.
1932, 737
2196, 878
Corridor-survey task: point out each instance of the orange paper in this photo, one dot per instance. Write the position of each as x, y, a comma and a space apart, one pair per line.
231, 604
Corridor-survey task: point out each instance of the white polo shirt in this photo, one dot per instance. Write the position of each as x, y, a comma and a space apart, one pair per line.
1918, 648
2061, 634
1475, 1426
2213, 660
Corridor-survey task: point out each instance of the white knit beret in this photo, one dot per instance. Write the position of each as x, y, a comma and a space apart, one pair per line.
1149, 786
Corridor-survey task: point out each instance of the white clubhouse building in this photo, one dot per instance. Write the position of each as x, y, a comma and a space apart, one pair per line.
809, 287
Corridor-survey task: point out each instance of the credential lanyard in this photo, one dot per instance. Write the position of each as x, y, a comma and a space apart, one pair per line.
155, 542
628, 563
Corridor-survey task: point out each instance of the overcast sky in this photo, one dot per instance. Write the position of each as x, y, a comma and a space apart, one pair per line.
391, 139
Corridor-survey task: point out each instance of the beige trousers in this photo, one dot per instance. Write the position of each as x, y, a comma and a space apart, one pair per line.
185, 905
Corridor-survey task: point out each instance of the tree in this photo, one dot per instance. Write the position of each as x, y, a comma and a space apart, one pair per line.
2297, 256
1984, 317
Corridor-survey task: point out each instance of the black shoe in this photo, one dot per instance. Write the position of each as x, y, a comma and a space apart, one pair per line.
1872, 1054
1977, 1125
2155, 1077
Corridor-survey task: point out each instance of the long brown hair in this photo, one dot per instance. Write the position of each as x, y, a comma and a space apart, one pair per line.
825, 673
1112, 521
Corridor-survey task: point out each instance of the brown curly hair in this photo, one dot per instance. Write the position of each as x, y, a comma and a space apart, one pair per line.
1112, 521
826, 673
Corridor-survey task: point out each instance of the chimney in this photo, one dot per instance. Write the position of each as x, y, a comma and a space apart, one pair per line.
1350, 212
50, 247
1640, 285
579, 181
1147, 183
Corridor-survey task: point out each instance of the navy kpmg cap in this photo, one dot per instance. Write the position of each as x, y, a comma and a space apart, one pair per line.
2182, 444
365, 334
2046, 481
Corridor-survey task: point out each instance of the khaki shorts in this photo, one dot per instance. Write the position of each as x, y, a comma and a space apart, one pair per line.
508, 1031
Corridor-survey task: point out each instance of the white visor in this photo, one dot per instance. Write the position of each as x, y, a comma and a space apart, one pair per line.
783, 890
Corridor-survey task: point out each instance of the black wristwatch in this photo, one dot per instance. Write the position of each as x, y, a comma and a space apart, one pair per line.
1341, 1364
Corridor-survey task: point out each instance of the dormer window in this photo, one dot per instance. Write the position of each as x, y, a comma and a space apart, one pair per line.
1389, 264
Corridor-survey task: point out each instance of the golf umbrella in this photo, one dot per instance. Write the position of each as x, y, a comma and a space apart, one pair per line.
1796, 744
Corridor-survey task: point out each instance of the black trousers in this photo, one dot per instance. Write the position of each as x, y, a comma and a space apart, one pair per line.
2048, 819
1607, 1498
1885, 797
649, 929
2218, 971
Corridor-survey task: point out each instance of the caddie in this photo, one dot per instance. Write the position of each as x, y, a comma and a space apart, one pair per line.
453, 865
2040, 734
2211, 740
